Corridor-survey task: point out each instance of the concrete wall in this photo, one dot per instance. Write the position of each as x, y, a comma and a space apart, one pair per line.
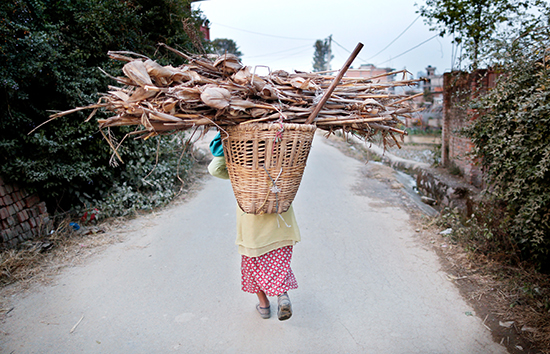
22, 216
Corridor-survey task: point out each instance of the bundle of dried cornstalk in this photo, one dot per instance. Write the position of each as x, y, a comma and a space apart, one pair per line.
220, 91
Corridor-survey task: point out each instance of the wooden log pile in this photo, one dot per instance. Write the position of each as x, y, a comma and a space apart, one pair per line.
219, 91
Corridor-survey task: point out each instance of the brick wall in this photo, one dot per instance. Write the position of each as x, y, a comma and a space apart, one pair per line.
22, 216
459, 88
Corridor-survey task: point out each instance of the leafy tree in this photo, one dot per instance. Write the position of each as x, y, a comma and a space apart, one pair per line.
49, 58
221, 46
474, 23
322, 55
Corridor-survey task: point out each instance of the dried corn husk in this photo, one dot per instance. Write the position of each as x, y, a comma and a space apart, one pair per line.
137, 72
228, 63
216, 97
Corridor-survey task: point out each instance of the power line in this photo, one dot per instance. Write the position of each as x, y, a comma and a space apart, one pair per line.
265, 34
282, 51
396, 38
405, 52
347, 50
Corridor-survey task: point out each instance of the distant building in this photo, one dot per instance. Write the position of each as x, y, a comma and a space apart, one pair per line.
205, 29
369, 70
205, 26
432, 99
434, 84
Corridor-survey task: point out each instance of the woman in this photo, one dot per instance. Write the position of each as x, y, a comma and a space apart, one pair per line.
265, 243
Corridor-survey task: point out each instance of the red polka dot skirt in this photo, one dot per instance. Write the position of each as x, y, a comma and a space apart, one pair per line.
269, 273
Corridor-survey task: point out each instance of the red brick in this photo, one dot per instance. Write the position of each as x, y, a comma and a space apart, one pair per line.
9, 188
4, 213
2, 190
25, 226
32, 200
20, 205
6, 200
42, 208
7, 235
11, 221
22, 216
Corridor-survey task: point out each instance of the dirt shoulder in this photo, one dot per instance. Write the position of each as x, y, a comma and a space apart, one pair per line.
502, 296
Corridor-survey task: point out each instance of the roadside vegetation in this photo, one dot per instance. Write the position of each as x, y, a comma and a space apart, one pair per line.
509, 123
507, 237
51, 55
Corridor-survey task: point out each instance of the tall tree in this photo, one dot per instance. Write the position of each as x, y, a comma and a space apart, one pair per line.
473, 23
322, 55
221, 46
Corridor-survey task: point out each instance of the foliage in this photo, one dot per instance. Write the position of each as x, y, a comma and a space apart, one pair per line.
221, 46
511, 137
482, 232
474, 24
322, 55
151, 182
49, 58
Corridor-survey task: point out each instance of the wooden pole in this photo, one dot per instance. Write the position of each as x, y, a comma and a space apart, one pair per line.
334, 83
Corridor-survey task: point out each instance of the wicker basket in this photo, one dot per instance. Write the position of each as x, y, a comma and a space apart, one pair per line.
265, 164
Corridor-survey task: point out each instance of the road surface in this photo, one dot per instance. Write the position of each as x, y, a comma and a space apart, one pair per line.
367, 284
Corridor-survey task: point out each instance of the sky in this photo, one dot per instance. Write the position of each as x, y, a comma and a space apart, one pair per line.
280, 34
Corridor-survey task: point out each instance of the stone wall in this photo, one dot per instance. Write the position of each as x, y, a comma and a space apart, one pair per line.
444, 190
447, 191
22, 216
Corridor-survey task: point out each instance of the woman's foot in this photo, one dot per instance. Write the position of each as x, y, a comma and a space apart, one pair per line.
285, 307
265, 312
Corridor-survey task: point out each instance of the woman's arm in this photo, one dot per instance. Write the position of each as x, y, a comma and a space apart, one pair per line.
218, 168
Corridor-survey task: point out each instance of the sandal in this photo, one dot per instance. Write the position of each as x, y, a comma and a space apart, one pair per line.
265, 312
285, 307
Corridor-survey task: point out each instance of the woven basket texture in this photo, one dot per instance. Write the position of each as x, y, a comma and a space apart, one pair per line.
266, 163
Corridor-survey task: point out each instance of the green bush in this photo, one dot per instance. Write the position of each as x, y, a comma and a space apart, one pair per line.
50, 55
511, 134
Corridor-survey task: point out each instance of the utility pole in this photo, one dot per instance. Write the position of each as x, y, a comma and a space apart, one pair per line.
329, 53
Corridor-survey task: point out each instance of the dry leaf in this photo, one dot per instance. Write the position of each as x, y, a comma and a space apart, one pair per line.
241, 105
120, 95
304, 84
269, 92
137, 71
229, 63
242, 76
187, 75
187, 94
216, 97
141, 94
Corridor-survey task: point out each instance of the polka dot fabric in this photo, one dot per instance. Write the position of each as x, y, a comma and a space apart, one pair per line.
269, 273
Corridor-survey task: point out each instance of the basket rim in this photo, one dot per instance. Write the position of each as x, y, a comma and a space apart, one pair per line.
272, 126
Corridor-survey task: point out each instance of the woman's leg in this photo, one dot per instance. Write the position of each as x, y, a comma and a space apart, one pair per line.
264, 301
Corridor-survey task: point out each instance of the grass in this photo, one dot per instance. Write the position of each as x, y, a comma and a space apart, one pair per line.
513, 291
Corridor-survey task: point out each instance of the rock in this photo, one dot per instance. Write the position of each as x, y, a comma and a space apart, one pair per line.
428, 200
506, 324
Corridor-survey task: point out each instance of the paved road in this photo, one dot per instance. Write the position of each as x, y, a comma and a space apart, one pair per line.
366, 283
